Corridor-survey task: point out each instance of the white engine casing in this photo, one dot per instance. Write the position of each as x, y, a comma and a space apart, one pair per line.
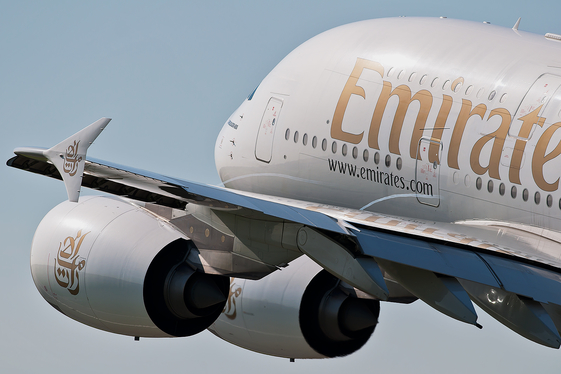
263, 315
109, 296
300, 311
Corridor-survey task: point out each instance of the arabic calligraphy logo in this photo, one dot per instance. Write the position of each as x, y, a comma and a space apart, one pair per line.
71, 159
68, 264
230, 307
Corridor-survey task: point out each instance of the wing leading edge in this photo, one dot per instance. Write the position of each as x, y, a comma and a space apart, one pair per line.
516, 281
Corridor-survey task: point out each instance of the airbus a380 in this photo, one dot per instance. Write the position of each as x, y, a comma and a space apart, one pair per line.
382, 161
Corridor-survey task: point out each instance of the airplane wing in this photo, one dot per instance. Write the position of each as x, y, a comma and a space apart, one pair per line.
511, 271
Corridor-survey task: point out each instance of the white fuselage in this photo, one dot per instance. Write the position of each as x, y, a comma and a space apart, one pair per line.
442, 119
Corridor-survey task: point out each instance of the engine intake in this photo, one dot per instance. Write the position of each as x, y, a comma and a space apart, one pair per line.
333, 322
179, 299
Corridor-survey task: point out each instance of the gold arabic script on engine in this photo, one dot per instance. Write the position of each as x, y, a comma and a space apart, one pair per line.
68, 264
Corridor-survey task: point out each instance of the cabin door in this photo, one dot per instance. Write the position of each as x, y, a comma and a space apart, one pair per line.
266, 133
427, 172
533, 111
530, 112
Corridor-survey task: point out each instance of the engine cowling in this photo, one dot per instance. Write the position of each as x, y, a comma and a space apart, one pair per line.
300, 311
116, 267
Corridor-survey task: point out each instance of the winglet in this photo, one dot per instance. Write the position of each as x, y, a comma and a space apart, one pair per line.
515, 27
69, 156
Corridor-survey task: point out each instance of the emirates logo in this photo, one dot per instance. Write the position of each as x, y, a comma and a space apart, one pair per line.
230, 307
71, 159
68, 263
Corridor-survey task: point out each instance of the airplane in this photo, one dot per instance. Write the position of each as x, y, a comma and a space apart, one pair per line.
387, 160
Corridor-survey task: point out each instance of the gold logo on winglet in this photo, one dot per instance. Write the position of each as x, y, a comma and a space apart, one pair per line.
71, 159
68, 264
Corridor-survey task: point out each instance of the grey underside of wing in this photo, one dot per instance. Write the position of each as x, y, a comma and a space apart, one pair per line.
524, 278
158, 189
530, 276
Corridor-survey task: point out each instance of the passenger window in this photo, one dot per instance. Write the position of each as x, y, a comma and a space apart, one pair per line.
513, 193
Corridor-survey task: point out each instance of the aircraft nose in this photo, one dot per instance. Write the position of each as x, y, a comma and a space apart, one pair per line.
225, 149
219, 151
234, 140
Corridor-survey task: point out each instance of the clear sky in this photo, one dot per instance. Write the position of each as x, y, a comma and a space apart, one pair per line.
170, 73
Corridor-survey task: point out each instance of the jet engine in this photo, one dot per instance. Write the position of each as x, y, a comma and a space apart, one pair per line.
300, 311
114, 266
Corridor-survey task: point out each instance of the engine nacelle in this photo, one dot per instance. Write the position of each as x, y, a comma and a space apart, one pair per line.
114, 266
300, 311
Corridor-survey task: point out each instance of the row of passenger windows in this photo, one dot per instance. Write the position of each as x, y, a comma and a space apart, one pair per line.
514, 192
399, 165
344, 149
454, 86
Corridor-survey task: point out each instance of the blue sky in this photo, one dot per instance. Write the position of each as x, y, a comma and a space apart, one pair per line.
170, 73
